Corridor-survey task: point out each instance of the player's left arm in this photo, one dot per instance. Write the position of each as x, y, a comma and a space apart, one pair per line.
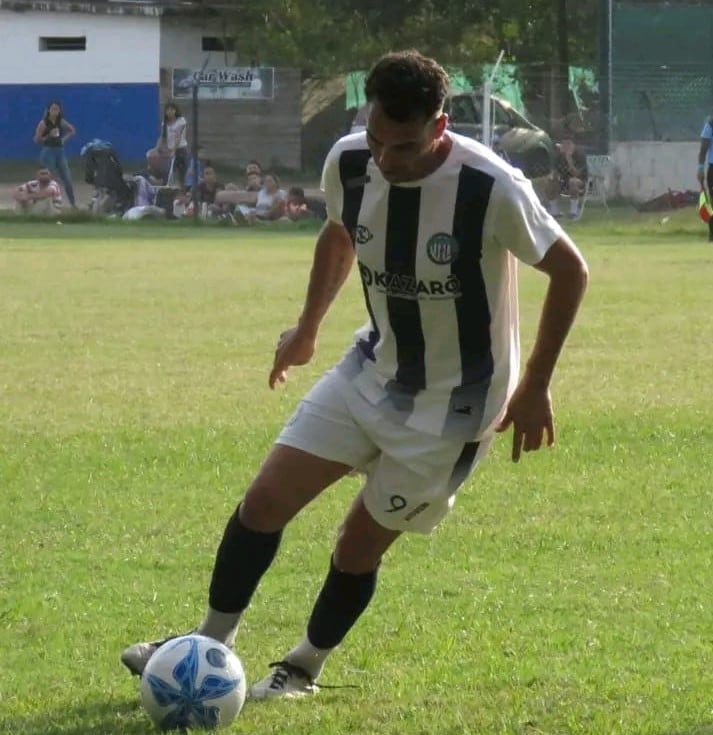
529, 410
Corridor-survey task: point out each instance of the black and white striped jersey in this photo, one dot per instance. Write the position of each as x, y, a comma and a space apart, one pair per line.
440, 352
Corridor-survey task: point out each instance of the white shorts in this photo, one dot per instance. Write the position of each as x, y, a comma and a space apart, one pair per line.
411, 477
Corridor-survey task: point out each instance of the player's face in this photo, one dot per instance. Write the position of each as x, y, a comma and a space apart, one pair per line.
403, 151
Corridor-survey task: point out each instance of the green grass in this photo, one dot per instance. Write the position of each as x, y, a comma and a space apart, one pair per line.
570, 593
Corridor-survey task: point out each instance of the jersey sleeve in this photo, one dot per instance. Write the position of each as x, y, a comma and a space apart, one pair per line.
519, 221
331, 185
707, 132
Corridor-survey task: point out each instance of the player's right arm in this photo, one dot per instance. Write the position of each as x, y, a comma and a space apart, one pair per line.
333, 258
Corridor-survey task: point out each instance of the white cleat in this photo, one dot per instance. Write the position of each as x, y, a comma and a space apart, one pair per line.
286, 680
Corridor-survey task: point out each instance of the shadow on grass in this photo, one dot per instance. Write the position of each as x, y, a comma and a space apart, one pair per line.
122, 717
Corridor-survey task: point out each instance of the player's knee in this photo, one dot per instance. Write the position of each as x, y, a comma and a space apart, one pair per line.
261, 509
357, 551
355, 558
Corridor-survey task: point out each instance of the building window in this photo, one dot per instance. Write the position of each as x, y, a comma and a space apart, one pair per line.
63, 43
217, 43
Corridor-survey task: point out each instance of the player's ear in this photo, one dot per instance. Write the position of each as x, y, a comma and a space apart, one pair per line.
441, 125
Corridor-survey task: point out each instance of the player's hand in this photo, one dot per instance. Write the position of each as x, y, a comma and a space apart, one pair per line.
293, 348
530, 414
700, 176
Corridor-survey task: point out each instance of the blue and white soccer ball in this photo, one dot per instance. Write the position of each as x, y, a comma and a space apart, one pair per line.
193, 682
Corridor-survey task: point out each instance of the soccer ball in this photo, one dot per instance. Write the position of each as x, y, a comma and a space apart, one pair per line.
193, 682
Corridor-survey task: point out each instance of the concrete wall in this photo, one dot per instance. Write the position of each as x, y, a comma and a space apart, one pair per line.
647, 169
181, 44
109, 90
234, 131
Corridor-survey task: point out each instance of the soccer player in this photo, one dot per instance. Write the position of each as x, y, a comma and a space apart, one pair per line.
435, 222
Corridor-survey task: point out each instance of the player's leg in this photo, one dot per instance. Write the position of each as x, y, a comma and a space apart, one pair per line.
288, 480
410, 487
345, 594
317, 446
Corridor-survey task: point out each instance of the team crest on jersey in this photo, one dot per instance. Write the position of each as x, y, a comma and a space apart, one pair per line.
442, 248
362, 235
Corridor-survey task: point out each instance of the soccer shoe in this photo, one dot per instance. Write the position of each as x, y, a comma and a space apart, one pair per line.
286, 680
137, 656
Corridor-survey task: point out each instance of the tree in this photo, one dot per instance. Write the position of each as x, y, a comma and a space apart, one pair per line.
329, 36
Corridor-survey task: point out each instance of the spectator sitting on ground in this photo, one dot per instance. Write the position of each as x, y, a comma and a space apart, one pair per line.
253, 176
155, 171
298, 206
234, 195
206, 192
270, 204
39, 196
569, 177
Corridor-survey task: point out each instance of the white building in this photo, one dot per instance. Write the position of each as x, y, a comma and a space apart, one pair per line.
109, 63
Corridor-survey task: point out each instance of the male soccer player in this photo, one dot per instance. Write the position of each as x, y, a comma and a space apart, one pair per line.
433, 220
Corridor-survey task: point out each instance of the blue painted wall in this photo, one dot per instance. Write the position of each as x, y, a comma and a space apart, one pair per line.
127, 115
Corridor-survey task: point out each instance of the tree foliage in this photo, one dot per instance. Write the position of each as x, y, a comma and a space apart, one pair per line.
328, 36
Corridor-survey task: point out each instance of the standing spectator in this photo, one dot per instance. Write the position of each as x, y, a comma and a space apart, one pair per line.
570, 177
52, 132
705, 160
173, 140
39, 196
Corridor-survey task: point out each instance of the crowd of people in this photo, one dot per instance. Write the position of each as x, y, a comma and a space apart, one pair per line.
165, 186
172, 183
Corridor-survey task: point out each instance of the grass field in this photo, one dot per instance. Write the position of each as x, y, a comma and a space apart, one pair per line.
570, 593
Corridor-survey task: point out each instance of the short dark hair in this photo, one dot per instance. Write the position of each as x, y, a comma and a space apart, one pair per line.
407, 85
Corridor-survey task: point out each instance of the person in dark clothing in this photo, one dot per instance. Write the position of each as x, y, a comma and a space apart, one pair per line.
52, 132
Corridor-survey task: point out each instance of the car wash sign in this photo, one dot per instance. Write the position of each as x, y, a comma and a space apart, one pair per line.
226, 83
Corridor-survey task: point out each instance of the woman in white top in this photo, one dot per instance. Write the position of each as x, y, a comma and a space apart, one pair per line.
174, 141
270, 204
271, 199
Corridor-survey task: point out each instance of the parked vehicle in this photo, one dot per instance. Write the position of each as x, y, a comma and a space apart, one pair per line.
524, 144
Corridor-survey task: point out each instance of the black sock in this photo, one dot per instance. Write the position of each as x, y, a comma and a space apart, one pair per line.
343, 598
243, 557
